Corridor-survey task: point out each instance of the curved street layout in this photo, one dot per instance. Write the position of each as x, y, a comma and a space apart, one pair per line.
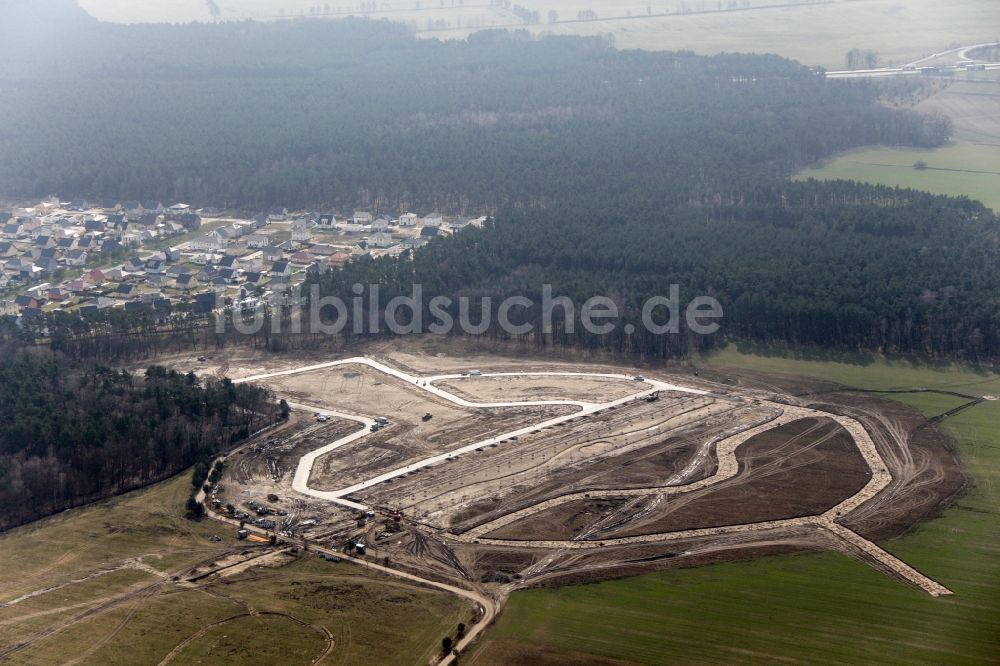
727, 467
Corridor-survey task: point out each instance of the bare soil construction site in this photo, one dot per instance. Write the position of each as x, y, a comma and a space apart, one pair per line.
489, 477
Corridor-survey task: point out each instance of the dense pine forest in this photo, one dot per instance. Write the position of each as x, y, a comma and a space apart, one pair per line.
353, 113
606, 172
72, 433
841, 266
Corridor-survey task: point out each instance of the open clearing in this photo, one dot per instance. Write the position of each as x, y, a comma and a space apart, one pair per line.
494, 488
960, 169
798, 607
969, 165
600, 475
128, 581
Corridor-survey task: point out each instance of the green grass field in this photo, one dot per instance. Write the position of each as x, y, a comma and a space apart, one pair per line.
94, 585
963, 168
814, 33
813, 608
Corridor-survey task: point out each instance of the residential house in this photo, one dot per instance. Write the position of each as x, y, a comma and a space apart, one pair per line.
126, 290
338, 259
327, 221
381, 225
430, 232
300, 231
190, 221
380, 240
158, 280
149, 220
47, 264
302, 258
361, 217
57, 295
433, 220
207, 242
132, 209
155, 267
408, 220
280, 268
134, 265
317, 267
271, 253
91, 306
184, 281
204, 302
77, 286
13, 230
251, 262
76, 258
179, 209
95, 277
277, 214
25, 301
153, 207
207, 274
255, 241
109, 245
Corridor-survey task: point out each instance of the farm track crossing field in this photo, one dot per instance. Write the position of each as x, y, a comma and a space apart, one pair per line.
95, 586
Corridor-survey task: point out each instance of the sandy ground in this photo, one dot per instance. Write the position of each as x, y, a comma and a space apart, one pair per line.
494, 389
638, 445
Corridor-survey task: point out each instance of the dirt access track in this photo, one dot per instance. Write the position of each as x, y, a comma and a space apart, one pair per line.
495, 479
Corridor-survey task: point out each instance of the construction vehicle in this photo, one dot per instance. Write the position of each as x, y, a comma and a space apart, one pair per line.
652, 397
426, 417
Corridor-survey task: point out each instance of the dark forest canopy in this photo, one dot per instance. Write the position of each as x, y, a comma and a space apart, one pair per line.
312, 113
75, 432
839, 265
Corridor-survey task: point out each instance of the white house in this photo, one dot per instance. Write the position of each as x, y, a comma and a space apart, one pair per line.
361, 217
277, 214
381, 225
408, 220
327, 221
380, 239
433, 220
300, 231
255, 241
207, 242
